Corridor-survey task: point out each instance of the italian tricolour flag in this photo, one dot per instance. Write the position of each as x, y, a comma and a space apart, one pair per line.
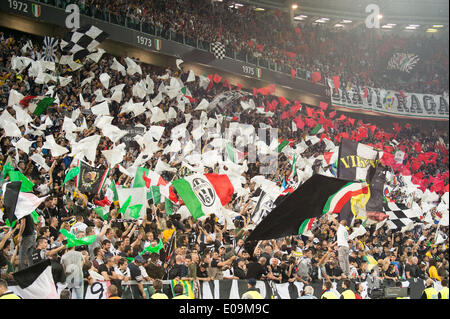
204, 194
37, 104
336, 201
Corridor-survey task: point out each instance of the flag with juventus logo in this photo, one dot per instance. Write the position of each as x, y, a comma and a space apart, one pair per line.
204, 194
50, 45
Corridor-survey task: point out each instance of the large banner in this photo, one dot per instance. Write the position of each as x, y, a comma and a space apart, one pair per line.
408, 105
90, 180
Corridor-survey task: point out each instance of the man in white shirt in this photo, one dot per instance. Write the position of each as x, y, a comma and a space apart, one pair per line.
343, 248
79, 226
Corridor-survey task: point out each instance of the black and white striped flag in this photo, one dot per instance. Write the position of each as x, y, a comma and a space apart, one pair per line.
50, 45
264, 206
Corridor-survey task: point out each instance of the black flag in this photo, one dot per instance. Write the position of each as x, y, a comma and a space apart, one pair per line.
307, 201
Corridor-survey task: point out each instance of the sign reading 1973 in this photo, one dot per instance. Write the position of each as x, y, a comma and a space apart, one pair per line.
148, 42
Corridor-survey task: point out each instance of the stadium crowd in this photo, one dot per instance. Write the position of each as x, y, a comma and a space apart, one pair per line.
359, 56
206, 249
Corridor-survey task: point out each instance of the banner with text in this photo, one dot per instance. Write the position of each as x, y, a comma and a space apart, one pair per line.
408, 105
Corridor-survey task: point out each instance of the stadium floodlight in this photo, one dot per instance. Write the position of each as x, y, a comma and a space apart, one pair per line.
294, 6
410, 27
300, 17
338, 25
380, 16
387, 26
438, 26
238, 5
260, 9
414, 25
346, 21
320, 21
391, 24
431, 30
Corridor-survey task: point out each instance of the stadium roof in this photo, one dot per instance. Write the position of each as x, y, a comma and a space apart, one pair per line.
397, 15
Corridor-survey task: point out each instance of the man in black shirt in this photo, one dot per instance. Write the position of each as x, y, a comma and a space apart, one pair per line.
27, 241
240, 270
202, 270
411, 269
257, 270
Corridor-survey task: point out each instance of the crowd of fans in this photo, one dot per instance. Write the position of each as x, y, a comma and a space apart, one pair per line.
358, 56
205, 250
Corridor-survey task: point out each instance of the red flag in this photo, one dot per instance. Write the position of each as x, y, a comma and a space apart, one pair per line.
217, 78
226, 84
250, 43
310, 111
273, 106
294, 109
336, 82
290, 54
239, 86
323, 106
283, 101
147, 180
285, 115
255, 91
332, 114
191, 99
351, 121
211, 83
293, 73
402, 94
366, 92
260, 47
271, 88
310, 122
327, 156
26, 100
397, 128
299, 122
316, 77
341, 118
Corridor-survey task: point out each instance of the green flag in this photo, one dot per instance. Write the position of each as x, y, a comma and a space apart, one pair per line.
6, 169
35, 217
111, 192
73, 241
43, 105
282, 145
71, 174
134, 210
100, 211
125, 205
317, 129
183, 90
169, 206
9, 224
139, 179
293, 169
16, 176
156, 194
150, 249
